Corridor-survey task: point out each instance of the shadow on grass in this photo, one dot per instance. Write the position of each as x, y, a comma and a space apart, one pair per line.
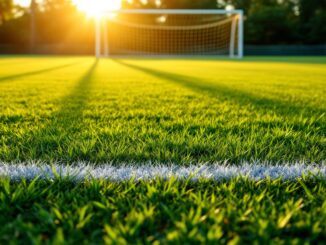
217, 90
37, 72
62, 126
74, 103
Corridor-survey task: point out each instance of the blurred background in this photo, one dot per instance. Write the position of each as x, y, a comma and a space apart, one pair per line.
272, 27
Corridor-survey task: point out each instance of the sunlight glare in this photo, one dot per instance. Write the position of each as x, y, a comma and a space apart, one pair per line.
23, 3
94, 8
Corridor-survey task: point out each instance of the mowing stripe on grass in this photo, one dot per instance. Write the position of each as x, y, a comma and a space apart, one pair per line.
218, 171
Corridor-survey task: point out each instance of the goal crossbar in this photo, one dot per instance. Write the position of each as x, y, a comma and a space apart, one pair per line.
236, 32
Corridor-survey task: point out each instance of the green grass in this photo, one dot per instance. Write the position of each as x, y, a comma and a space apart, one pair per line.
163, 212
181, 111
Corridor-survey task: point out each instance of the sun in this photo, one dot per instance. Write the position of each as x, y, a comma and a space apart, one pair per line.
95, 8
92, 8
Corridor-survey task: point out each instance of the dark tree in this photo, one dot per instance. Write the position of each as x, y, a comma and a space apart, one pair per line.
312, 14
6, 10
271, 22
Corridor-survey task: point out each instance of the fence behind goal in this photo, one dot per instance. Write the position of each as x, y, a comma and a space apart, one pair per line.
170, 33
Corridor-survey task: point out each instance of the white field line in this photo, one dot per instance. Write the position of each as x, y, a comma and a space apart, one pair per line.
148, 171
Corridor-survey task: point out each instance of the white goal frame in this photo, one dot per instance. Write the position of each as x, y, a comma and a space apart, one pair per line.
238, 12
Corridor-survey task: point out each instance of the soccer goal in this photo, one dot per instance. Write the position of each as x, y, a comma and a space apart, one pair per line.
173, 32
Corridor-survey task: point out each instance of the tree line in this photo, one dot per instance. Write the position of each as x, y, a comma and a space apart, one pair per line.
266, 21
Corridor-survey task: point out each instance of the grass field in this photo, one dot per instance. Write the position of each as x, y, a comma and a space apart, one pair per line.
170, 212
179, 111
66, 110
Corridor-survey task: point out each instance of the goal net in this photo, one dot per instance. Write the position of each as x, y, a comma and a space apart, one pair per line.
170, 32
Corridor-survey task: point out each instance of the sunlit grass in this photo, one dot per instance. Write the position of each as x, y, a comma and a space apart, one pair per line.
237, 211
182, 111
179, 111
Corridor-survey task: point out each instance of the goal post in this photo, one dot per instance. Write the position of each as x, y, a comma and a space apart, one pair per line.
169, 32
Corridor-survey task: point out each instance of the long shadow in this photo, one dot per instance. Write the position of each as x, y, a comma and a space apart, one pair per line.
73, 104
59, 130
31, 73
241, 97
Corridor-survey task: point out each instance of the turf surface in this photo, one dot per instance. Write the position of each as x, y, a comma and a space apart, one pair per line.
163, 212
187, 112
180, 111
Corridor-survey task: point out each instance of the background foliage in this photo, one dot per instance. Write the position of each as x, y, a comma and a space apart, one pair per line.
266, 21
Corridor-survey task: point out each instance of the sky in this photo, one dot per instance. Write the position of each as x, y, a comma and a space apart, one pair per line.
91, 7
95, 7
23, 2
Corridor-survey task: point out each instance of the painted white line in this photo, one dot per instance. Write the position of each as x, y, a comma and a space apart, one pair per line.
148, 171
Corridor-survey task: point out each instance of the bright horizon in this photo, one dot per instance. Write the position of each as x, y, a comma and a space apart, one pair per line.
91, 8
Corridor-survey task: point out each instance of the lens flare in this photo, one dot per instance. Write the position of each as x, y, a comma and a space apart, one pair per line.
95, 8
